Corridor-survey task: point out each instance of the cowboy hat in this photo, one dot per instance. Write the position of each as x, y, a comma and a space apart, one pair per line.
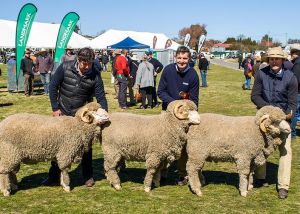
295, 47
276, 52
117, 52
134, 57
69, 48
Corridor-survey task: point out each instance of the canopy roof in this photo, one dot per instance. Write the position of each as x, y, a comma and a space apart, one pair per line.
128, 43
42, 35
112, 36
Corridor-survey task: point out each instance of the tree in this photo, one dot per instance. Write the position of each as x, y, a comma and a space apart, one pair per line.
195, 30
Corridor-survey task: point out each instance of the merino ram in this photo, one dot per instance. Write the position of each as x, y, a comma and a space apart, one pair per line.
246, 140
63, 139
156, 139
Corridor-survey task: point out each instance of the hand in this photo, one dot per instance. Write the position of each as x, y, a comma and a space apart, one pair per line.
49, 72
56, 113
155, 74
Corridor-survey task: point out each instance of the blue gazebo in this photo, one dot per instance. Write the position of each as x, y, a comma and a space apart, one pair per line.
128, 43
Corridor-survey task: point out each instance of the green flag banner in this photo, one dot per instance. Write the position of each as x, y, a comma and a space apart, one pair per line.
66, 29
24, 23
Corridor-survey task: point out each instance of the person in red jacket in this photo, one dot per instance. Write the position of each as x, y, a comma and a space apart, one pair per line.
123, 72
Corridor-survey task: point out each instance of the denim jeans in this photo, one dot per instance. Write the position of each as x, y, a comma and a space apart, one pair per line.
247, 82
203, 77
294, 120
45, 78
122, 82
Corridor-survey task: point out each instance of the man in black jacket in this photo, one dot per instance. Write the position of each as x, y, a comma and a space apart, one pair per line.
27, 68
72, 86
295, 54
275, 85
157, 69
203, 65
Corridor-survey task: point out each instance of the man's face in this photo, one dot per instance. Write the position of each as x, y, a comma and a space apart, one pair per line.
84, 66
182, 60
295, 54
275, 63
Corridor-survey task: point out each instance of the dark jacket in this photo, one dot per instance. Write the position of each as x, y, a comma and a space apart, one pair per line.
27, 66
172, 82
156, 64
203, 63
296, 71
70, 91
276, 90
104, 58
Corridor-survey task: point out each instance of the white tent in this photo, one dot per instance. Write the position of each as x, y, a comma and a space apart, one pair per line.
42, 35
112, 36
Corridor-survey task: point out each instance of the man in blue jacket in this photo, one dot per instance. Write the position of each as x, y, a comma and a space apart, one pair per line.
179, 81
72, 86
275, 85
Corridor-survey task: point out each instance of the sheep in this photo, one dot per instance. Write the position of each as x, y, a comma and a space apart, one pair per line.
246, 140
155, 139
63, 139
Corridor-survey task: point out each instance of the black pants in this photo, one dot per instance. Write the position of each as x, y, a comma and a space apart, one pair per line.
154, 94
86, 164
146, 93
122, 81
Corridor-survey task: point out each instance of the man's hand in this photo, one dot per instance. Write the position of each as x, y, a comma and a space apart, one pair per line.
56, 113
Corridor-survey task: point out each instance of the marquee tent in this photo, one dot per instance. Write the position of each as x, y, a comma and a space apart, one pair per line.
128, 43
42, 35
112, 36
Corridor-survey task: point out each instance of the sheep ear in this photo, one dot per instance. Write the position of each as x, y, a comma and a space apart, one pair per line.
262, 122
86, 116
180, 111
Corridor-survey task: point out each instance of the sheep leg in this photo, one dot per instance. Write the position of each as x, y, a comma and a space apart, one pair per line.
244, 172
65, 180
156, 178
152, 165
193, 171
13, 178
110, 165
250, 181
5, 184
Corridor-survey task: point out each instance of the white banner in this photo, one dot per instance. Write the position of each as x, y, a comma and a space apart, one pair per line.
201, 42
187, 40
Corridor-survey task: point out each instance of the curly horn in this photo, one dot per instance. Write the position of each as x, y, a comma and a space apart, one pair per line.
261, 123
85, 116
179, 111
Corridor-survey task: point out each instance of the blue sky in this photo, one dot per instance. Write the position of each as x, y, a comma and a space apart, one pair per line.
223, 18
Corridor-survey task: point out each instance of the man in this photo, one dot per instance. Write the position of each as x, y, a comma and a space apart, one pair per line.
27, 67
72, 86
104, 60
275, 85
295, 55
157, 69
44, 66
203, 65
69, 55
179, 81
123, 72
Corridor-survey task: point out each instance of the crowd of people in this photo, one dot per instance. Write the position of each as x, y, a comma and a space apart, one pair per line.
78, 79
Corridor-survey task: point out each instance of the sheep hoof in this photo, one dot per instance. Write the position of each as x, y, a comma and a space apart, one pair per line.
118, 187
67, 189
147, 189
6, 193
244, 193
250, 187
199, 193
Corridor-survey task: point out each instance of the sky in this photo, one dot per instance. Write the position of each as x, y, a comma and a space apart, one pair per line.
223, 18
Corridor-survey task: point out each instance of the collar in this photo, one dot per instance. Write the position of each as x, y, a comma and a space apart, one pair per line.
184, 71
278, 74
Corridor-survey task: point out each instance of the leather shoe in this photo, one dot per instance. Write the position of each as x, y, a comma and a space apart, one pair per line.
182, 181
282, 193
90, 182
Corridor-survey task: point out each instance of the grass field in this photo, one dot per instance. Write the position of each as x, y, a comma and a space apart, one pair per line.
223, 95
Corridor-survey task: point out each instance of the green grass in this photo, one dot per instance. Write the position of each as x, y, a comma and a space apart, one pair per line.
223, 95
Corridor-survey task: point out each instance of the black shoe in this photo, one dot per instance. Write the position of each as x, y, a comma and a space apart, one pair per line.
50, 182
261, 183
90, 182
282, 193
182, 181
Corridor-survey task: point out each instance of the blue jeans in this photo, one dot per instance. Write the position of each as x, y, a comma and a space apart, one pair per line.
122, 81
45, 78
203, 77
294, 120
247, 82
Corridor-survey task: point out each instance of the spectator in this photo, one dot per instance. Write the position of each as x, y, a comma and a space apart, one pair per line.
44, 66
72, 86
203, 65
275, 85
145, 81
69, 55
105, 60
157, 69
27, 67
123, 72
247, 65
179, 81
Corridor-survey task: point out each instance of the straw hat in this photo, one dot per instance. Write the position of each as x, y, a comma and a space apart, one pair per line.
276, 52
69, 48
